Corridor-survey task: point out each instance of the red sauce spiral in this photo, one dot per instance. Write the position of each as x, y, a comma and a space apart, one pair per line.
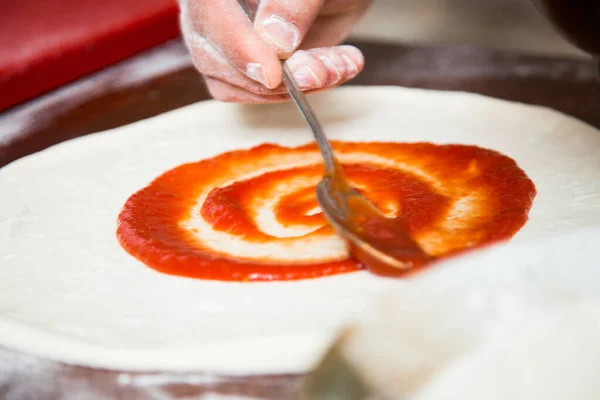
253, 215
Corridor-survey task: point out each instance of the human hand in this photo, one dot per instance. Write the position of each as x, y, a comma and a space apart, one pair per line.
241, 60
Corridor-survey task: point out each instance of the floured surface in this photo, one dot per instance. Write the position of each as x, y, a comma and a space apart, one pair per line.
68, 291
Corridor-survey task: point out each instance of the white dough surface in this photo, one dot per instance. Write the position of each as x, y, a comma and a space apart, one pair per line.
69, 292
515, 322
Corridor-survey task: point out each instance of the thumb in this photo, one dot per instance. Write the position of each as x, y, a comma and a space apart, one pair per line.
283, 24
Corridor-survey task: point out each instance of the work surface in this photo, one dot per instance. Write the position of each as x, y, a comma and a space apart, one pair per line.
163, 79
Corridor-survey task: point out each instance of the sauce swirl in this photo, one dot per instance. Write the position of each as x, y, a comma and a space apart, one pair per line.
252, 215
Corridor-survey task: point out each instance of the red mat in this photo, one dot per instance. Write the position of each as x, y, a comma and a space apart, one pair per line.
47, 43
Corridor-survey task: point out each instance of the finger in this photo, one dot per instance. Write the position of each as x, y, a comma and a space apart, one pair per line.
226, 92
228, 29
312, 69
329, 67
335, 23
210, 62
283, 24
325, 67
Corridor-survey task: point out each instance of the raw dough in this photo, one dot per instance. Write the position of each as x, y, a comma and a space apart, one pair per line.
68, 291
518, 322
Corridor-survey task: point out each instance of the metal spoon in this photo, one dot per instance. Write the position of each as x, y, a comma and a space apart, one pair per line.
382, 244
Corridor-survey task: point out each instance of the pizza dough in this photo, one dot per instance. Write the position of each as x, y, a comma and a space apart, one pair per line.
516, 322
69, 292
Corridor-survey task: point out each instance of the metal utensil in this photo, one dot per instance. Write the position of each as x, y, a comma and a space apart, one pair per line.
383, 245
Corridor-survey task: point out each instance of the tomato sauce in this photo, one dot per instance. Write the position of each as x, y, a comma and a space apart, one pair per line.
448, 198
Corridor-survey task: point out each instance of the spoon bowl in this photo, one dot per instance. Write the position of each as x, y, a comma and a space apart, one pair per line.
383, 245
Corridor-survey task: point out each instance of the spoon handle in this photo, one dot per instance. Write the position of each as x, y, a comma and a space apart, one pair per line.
310, 118
305, 109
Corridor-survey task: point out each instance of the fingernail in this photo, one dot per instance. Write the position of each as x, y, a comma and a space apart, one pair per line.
306, 78
352, 68
257, 72
331, 68
281, 33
